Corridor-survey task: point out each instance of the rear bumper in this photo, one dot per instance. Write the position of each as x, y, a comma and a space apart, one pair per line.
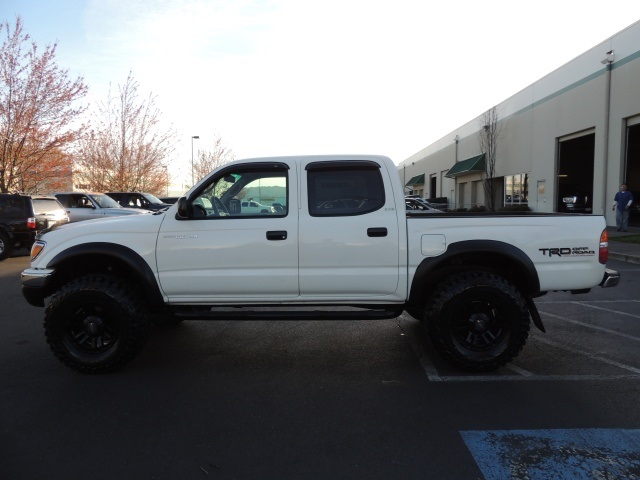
611, 278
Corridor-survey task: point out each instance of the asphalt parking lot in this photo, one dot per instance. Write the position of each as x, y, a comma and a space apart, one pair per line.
334, 399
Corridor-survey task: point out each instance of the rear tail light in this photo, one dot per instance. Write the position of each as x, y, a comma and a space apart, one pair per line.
31, 223
604, 247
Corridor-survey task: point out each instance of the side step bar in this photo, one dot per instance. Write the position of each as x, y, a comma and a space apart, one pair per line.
241, 314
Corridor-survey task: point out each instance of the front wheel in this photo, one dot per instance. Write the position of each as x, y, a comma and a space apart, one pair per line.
96, 323
478, 321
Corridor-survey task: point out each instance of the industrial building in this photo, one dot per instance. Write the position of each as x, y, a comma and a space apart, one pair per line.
563, 144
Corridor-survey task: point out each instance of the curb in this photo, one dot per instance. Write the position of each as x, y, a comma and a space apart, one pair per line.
624, 257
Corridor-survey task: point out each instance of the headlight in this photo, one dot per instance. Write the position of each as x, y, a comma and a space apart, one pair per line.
569, 199
37, 247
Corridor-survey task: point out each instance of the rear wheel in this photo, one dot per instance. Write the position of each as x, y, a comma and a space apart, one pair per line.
96, 323
478, 321
6, 247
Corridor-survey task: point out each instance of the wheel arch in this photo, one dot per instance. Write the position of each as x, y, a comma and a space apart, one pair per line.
9, 244
496, 256
7, 231
104, 257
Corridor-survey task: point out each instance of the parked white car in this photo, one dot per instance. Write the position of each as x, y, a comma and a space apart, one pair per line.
86, 206
249, 207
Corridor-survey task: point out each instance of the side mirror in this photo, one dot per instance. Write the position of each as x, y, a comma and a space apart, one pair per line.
183, 209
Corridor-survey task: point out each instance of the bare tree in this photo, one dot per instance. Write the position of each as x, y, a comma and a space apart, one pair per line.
38, 114
126, 149
208, 160
488, 138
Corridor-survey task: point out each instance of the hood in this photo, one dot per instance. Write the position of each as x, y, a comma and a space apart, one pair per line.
110, 224
125, 211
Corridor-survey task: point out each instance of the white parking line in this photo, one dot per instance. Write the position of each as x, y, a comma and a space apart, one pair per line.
521, 371
593, 327
521, 374
591, 355
535, 378
560, 302
607, 310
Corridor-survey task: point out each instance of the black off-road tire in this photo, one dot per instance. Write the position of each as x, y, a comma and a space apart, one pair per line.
96, 323
478, 321
6, 247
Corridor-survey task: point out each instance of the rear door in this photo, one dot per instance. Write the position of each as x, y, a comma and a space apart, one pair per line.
349, 234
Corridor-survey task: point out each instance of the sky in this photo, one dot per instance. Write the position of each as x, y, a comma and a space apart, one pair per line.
290, 77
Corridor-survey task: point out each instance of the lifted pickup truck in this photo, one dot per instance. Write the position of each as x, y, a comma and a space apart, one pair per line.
341, 237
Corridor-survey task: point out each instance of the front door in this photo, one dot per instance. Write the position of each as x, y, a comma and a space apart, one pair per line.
216, 252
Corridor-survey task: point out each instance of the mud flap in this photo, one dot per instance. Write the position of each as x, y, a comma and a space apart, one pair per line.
535, 316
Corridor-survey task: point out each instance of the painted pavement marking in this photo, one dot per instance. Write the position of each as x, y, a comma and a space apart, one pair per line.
577, 454
521, 374
595, 327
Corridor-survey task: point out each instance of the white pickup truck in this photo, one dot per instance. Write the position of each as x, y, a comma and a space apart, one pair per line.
340, 245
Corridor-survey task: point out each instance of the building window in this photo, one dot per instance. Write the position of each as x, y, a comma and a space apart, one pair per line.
516, 189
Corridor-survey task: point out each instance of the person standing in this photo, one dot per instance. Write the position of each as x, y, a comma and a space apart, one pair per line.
621, 204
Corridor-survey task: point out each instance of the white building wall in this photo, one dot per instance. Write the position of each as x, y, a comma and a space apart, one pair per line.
568, 101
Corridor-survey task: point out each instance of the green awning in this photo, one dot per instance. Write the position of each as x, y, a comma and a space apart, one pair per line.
417, 180
470, 165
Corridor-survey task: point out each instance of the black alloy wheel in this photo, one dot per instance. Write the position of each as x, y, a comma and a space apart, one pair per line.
478, 321
96, 324
6, 248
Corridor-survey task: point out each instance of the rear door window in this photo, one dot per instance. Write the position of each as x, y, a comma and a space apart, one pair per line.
344, 188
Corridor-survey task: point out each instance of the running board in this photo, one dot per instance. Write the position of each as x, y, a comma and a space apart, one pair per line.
383, 314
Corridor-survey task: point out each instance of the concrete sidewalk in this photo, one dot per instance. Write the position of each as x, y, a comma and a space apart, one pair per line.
623, 251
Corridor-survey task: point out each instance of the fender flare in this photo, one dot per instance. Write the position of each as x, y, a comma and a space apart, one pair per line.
141, 270
528, 280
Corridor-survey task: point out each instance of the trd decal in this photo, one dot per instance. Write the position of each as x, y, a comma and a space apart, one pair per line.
568, 252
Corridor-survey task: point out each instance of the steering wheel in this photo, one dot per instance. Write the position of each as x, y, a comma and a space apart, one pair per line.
199, 211
219, 206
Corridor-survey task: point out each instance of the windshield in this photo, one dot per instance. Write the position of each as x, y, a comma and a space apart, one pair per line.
153, 199
105, 201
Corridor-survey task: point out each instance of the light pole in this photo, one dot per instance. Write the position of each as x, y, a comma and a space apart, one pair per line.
195, 137
166, 171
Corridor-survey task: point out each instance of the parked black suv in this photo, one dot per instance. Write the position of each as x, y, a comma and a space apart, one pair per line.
138, 200
17, 223
48, 211
576, 203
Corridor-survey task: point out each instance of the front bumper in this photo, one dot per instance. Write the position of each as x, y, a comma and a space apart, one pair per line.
611, 278
34, 284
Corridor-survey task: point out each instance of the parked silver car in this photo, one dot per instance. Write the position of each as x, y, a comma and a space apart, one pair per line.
86, 206
142, 200
420, 205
